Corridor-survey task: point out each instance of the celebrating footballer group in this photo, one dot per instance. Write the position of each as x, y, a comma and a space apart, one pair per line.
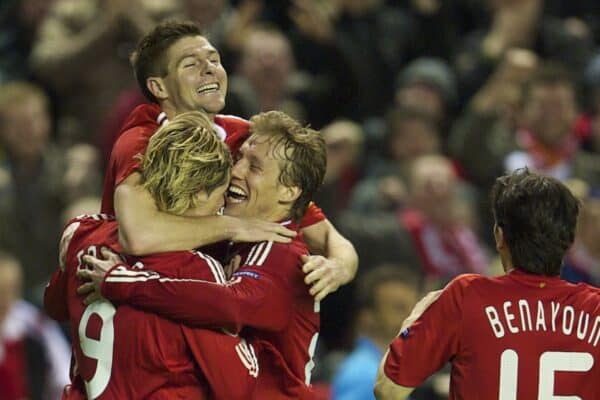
202, 276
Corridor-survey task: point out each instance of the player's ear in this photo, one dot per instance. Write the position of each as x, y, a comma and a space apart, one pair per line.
289, 194
157, 87
499, 237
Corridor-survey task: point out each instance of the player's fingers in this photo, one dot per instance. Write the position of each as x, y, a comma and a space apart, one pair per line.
325, 292
274, 237
91, 260
110, 255
85, 288
312, 263
318, 286
83, 274
314, 276
283, 231
91, 298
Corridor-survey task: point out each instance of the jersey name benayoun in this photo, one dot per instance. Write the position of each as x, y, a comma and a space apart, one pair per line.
514, 317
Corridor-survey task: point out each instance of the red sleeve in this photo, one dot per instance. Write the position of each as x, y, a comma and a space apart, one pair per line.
258, 295
432, 339
229, 363
313, 215
124, 157
55, 297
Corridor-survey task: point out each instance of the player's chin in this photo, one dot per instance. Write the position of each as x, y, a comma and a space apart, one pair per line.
214, 106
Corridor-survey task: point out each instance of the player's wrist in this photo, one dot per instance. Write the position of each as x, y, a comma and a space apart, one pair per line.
110, 291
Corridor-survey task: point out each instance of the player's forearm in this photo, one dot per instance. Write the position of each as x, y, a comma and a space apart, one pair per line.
143, 229
386, 389
197, 303
55, 301
323, 239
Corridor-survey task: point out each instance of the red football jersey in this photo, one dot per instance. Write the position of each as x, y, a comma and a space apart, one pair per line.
141, 124
519, 336
125, 353
267, 295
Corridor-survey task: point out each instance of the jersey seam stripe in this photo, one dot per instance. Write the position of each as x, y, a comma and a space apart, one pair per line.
265, 253
257, 254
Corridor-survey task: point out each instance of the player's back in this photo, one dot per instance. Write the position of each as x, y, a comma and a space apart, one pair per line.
527, 336
122, 353
287, 355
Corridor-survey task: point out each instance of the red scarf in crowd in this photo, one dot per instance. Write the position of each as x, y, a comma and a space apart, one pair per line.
444, 252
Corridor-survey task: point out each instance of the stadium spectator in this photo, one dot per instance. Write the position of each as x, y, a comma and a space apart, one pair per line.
82, 52
34, 355
384, 297
516, 24
31, 192
582, 262
485, 326
266, 77
280, 167
344, 140
432, 227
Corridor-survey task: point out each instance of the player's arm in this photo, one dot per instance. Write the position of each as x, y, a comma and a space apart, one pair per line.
55, 294
258, 297
55, 297
433, 328
336, 263
143, 229
386, 389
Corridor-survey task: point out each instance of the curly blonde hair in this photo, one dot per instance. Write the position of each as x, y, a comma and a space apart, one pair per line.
184, 157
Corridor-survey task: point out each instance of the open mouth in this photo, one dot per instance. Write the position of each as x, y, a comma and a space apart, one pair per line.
236, 194
208, 88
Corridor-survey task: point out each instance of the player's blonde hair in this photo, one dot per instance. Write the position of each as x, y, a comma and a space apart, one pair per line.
184, 157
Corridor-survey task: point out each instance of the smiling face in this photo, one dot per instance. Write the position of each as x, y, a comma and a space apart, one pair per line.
255, 190
195, 78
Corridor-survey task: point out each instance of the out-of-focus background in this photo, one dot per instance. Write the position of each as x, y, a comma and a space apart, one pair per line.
422, 104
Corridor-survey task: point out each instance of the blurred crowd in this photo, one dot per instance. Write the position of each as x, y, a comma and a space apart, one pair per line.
422, 104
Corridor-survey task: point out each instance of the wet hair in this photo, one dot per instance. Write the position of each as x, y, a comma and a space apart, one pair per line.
150, 56
538, 217
301, 151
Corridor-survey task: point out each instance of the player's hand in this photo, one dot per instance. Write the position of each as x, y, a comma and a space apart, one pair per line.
324, 275
95, 275
254, 230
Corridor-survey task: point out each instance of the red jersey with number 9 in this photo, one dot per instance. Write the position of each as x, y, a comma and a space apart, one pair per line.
519, 336
125, 353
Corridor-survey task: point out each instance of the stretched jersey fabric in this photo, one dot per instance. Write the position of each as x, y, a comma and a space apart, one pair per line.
141, 124
519, 336
267, 295
125, 353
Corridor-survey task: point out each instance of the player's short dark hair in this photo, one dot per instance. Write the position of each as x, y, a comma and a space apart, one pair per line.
302, 151
538, 217
368, 283
150, 56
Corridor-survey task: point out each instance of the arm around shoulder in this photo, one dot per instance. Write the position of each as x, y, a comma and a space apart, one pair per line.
143, 229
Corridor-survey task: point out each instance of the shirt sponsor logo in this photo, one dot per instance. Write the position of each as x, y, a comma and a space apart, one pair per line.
249, 274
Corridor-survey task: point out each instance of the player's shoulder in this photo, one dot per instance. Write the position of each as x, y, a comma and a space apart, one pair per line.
265, 253
465, 285
231, 120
